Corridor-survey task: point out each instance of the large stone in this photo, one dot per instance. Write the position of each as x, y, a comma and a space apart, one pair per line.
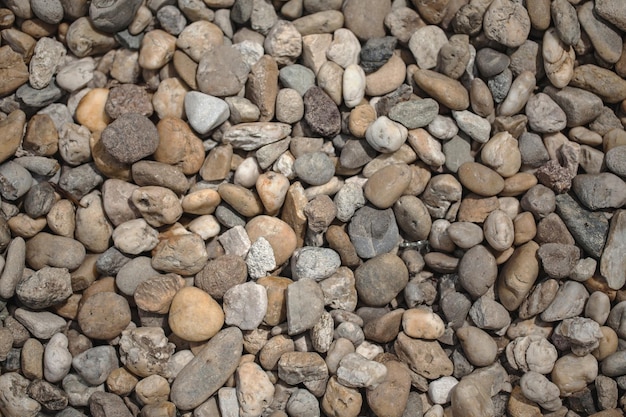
613, 261
380, 279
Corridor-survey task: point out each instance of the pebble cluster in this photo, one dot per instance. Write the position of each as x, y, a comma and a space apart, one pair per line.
245, 208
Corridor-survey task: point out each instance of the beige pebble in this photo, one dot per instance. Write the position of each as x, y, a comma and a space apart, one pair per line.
103, 315
121, 382
387, 185
558, 59
216, 166
501, 153
572, 373
206, 226
105, 162
518, 275
480, 179
314, 49
518, 184
194, 315
499, 231
427, 148
156, 294
272, 189
152, 390
353, 86
198, 37
330, 79
244, 201
422, 323
90, 111
387, 78
279, 234
25, 226
169, 99
157, 49
93, 229
179, 146
159, 206
289, 106
480, 348
445, 90
360, 118
519, 93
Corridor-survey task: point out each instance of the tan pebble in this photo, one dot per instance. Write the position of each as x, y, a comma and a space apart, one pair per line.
198, 37
90, 111
501, 153
330, 79
558, 59
387, 78
572, 373
82, 38
422, 323
14, 71
498, 229
186, 68
125, 67
61, 218
405, 154
272, 188
279, 234
481, 98
480, 179
608, 344
427, 148
169, 99
262, 87
41, 136
326, 21
518, 184
519, 93
390, 397
121, 382
339, 241
93, 229
25, 226
525, 228
276, 288
293, 211
360, 118
105, 162
159, 206
387, 184
201, 202
31, 359
69, 308
445, 90
11, 130
216, 166
104, 315
518, 275
289, 106
244, 201
179, 146
341, 401
106, 284
155, 294
314, 49
475, 208
157, 49
152, 390
194, 315
480, 348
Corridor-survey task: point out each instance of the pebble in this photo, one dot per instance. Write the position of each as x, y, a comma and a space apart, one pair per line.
355, 371
57, 282
385, 135
245, 305
507, 23
425, 44
57, 360
302, 293
414, 114
205, 112
94, 365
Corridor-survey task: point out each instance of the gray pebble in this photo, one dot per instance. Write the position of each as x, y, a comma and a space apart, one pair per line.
13, 268
50, 11
228, 217
615, 160
580, 106
357, 372
133, 273
500, 85
544, 115
39, 98
80, 181
15, 180
314, 263
44, 288
350, 331
533, 151
315, 168
589, 229
565, 21
129, 41
42, 324
39, 200
245, 305
579, 334
305, 305
558, 260
103, 404
488, 314
376, 52
478, 128
39, 165
600, 191
111, 261
373, 232
356, 153
171, 19
94, 365
260, 258
491, 62
457, 152
615, 364
78, 390
413, 114
373, 289
112, 16
303, 404
569, 302
157, 173
297, 77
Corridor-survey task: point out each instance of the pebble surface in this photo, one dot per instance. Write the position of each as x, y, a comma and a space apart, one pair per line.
312, 208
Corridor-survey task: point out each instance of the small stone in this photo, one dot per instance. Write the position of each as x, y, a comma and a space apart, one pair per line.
42, 325
134, 237
480, 349
366, 19
439, 390
321, 113
599, 191
355, 371
385, 135
222, 71
303, 293
159, 206
376, 292
245, 305
94, 365
572, 373
57, 360
445, 90
507, 22
414, 114
425, 44
491, 62
57, 284
353, 87
314, 263
220, 274
421, 323
16, 401
414, 352
104, 315
130, 138
518, 275
13, 72
298, 367
255, 392
314, 168
569, 302
588, 228
283, 42
205, 112
341, 400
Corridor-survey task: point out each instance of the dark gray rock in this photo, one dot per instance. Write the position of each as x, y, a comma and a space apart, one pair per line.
39, 98
321, 113
130, 138
111, 261
588, 228
376, 52
113, 15
80, 181
94, 365
373, 232
105, 404
39, 199
491, 62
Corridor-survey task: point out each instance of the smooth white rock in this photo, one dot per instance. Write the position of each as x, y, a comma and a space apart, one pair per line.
135, 236
353, 85
385, 135
57, 359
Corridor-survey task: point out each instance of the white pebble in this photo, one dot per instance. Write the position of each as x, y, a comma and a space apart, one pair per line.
57, 359
439, 389
353, 85
205, 226
385, 135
